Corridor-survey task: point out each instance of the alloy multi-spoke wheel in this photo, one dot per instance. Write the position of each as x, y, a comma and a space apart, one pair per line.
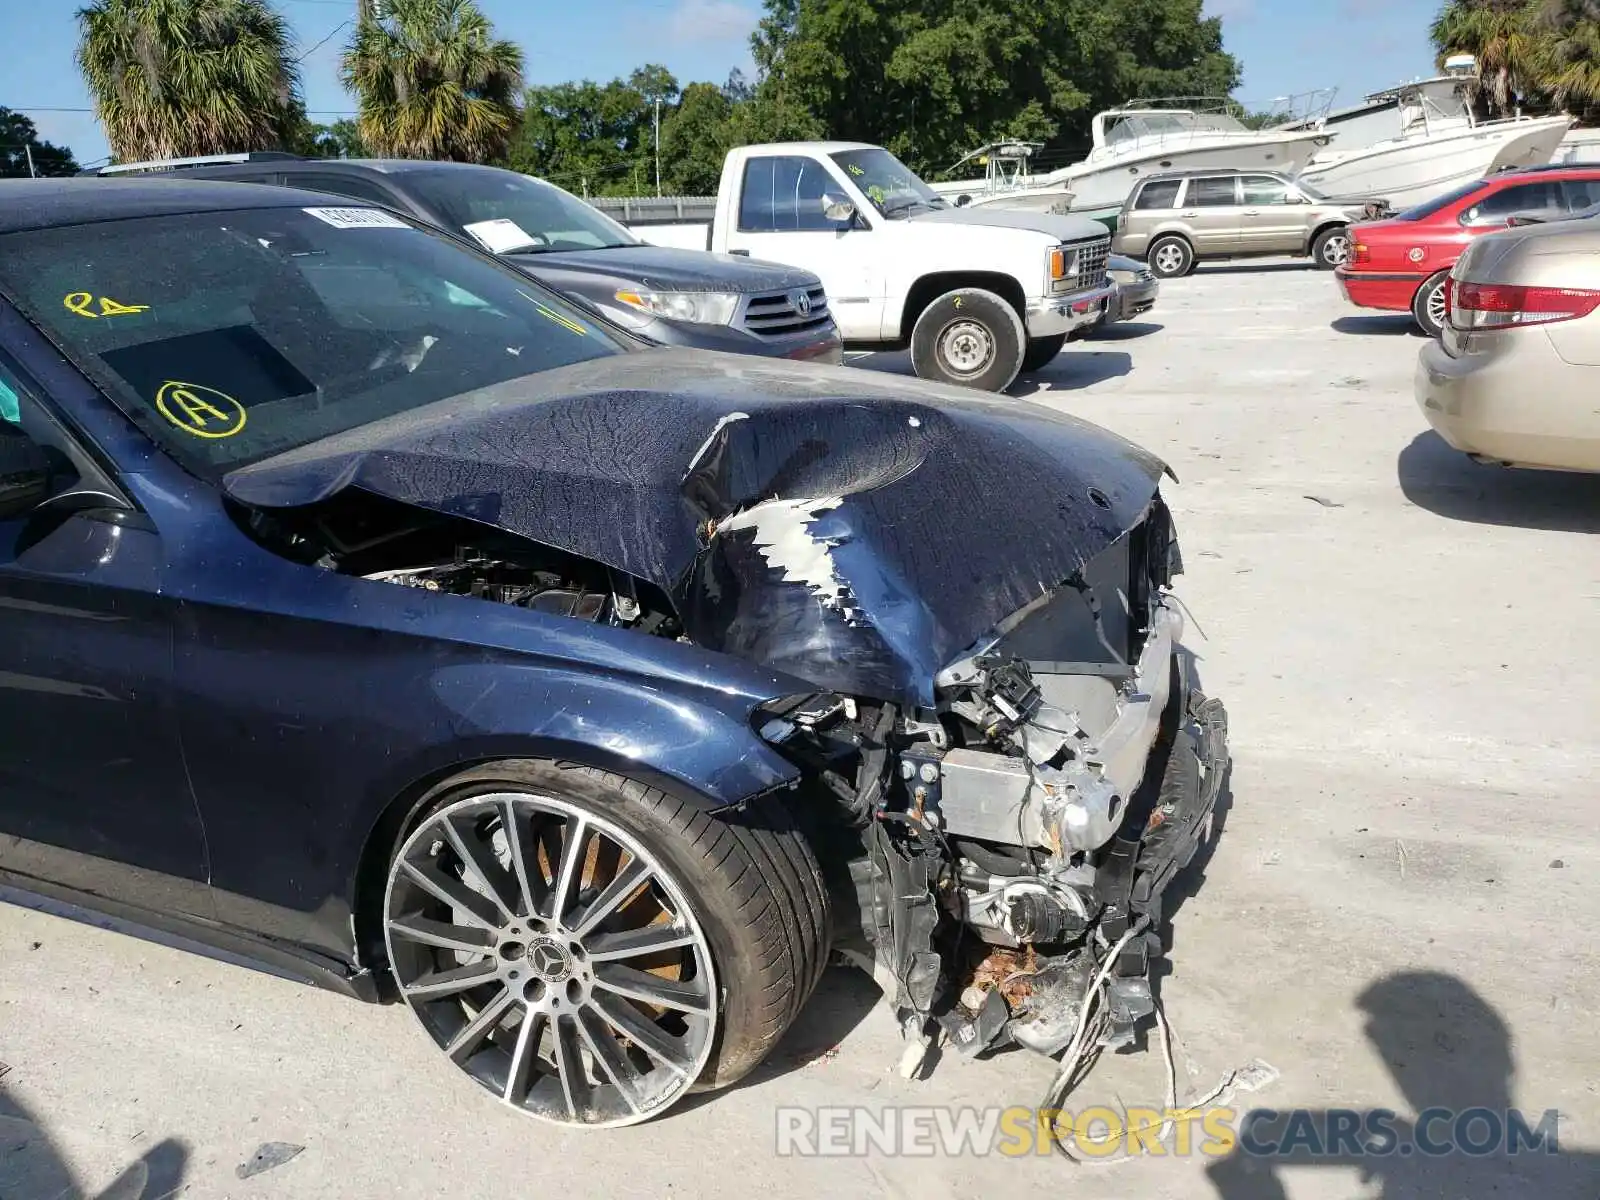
552, 958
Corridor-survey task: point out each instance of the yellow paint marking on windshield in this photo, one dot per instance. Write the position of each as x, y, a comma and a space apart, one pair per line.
199, 410
564, 322
79, 302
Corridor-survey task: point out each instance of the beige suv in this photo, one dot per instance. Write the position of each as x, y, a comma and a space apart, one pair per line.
1179, 218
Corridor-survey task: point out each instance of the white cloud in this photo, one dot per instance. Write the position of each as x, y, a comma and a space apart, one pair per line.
711, 21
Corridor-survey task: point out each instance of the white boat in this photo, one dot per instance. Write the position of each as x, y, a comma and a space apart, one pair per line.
1581, 147
1434, 143
1146, 137
1007, 182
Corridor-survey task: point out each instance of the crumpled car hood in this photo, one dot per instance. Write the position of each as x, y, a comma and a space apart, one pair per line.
856, 531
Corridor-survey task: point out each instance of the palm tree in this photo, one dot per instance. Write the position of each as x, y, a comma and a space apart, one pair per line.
1569, 59
178, 77
431, 81
1502, 35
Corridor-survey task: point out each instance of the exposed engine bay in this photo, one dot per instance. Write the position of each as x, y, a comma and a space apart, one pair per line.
389, 542
1007, 849
1018, 838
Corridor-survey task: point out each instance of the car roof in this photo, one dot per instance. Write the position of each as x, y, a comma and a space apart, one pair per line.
51, 203
321, 166
1542, 168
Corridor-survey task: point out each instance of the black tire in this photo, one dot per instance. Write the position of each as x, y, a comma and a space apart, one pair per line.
1426, 304
1331, 248
1170, 257
971, 338
1042, 351
751, 878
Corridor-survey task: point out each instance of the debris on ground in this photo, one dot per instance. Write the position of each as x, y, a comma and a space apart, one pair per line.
267, 1156
815, 1054
1324, 501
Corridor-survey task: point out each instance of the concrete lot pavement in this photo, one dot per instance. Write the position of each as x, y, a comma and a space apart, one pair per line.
1401, 908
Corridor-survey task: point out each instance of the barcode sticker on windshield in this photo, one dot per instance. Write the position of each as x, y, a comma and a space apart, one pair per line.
501, 236
357, 218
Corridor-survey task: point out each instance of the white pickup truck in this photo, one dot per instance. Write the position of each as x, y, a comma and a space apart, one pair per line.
978, 294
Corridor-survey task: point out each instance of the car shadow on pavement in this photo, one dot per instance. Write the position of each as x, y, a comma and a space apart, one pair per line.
1458, 1133
1441, 479
1075, 367
1245, 267
31, 1166
1382, 324
1125, 331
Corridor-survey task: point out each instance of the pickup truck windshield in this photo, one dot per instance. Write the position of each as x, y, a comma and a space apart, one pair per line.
893, 188
231, 336
511, 213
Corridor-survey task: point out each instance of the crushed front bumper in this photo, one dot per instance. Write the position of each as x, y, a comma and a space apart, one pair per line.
1062, 314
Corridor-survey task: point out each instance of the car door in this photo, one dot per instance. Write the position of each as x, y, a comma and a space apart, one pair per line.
94, 796
1272, 217
1539, 197
1212, 212
780, 219
1580, 194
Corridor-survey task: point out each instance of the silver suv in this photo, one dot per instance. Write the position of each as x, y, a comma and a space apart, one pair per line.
1179, 218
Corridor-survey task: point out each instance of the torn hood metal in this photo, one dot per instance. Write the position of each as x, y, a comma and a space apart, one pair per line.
855, 530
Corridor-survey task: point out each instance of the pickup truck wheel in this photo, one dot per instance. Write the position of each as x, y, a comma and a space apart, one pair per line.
971, 338
589, 949
1042, 351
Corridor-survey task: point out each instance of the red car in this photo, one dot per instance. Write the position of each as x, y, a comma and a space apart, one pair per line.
1403, 262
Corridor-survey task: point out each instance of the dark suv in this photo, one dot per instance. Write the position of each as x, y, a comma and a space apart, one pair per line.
676, 297
1176, 219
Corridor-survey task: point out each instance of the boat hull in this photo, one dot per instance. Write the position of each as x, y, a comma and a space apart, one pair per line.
1407, 172
1105, 183
1040, 199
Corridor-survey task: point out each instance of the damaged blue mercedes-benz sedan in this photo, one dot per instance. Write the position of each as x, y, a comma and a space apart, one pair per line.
375, 614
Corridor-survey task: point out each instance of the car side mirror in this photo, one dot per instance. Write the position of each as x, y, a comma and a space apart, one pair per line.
27, 470
963, 200
837, 208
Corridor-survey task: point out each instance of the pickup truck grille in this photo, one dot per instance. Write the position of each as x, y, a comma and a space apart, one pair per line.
778, 314
1092, 258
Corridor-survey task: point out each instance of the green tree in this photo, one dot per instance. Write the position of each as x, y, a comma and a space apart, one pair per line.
181, 77
19, 138
342, 139
1502, 35
694, 139
932, 79
1569, 52
432, 81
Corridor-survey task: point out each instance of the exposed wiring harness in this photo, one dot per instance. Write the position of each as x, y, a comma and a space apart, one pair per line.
1082, 1051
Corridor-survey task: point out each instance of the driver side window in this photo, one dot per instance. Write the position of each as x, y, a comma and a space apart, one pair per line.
24, 463
783, 194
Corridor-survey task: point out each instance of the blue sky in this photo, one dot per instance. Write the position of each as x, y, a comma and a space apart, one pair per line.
1286, 46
